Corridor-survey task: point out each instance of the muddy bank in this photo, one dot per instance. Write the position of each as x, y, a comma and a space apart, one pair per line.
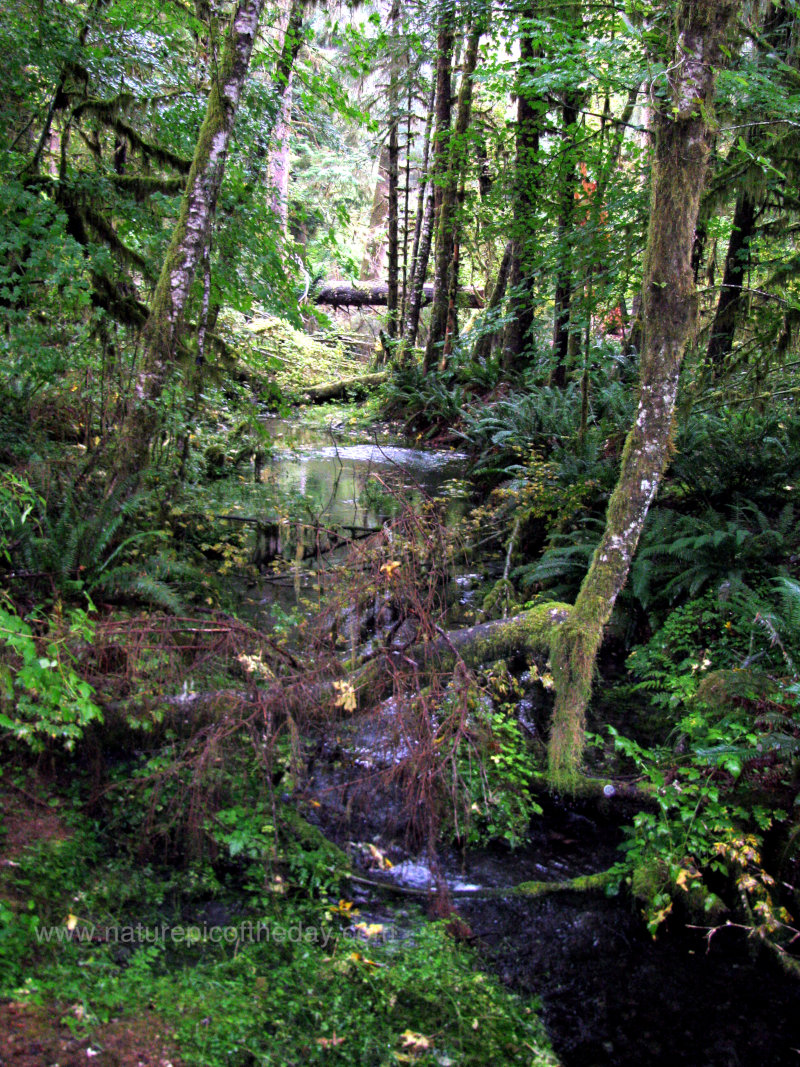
613, 997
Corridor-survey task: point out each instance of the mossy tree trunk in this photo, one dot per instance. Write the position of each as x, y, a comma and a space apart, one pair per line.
445, 46
565, 239
682, 105
737, 262
161, 334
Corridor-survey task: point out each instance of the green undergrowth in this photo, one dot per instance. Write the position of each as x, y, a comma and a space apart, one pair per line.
251, 955
295, 359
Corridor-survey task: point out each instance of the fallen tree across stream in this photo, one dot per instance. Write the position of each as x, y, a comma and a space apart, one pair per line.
347, 296
319, 394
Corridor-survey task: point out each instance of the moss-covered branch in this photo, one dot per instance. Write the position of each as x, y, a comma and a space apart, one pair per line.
319, 394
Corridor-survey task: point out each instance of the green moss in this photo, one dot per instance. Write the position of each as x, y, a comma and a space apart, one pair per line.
582, 883
298, 359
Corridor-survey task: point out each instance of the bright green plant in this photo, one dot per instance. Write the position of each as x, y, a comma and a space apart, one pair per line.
42, 696
492, 769
675, 851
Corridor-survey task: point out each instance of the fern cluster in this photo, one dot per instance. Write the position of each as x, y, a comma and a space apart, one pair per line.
75, 544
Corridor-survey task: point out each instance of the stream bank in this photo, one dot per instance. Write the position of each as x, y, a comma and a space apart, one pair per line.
612, 996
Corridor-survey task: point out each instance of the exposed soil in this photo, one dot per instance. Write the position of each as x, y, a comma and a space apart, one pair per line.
612, 996
26, 819
34, 1037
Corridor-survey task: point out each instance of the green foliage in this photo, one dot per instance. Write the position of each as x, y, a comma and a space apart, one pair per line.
492, 770
42, 697
428, 401
680, 850
283, 977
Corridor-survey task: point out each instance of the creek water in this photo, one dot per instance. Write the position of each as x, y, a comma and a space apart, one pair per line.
611, 995
346, 479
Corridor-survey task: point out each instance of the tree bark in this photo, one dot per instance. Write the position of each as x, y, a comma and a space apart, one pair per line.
723, 327
423, 229
521, 279
278, 162
393, 222
163, 328
447, 228
483, 346
682, 126
441, 154
338, 296
564, 241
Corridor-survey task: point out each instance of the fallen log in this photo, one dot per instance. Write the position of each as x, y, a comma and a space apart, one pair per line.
318, 394
339, 296
584, 883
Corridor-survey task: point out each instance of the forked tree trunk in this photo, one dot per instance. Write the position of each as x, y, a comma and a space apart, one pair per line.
163, 327
682, 117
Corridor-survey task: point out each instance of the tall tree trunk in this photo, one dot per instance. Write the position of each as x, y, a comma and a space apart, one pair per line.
682, 119
423, 232
447, 226
445, 44
483, 346
375, 251
521, 278
564, 241
737, 261
393, 233
278, 162
161, 335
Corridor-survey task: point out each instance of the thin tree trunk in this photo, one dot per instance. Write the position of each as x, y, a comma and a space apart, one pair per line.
448, 219
163, 327
441, 159
406, 207
417, 298
521, 279
723, 327
564, 242
483, 346
682, 119
421, 249
393, 235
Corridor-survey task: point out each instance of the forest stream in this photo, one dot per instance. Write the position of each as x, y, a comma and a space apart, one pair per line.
611, 994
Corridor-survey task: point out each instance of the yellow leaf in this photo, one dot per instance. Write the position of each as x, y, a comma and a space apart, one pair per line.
356, 957
389, 568
378, 856
347, 696
416, 1042
345, 907
369, 929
